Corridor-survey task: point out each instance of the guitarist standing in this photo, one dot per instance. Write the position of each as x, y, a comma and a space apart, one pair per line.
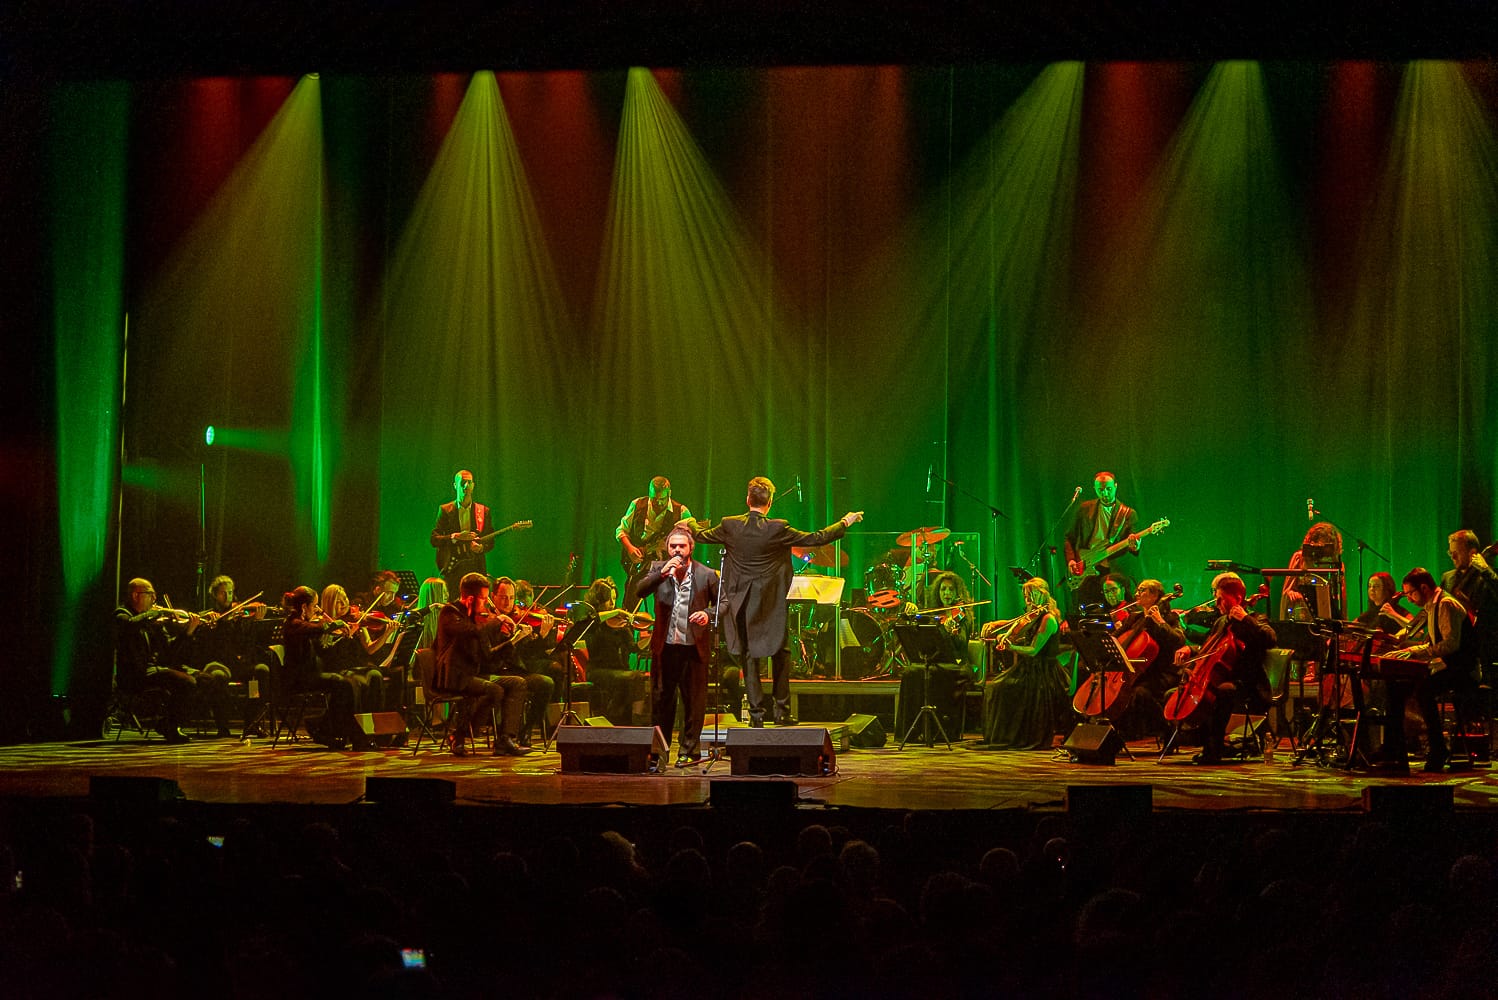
643, 529
456, 535
1097, 525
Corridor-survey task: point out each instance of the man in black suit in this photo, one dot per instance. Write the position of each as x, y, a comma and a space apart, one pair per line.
756, 579
680, 639
456, 536
1097, 525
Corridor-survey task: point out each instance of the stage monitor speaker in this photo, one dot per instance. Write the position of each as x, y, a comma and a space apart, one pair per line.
1408, 802
864, 732
380, 723
597, 720
1091, 743
725, 793
804, 750
410, 791
133, 790
609, 749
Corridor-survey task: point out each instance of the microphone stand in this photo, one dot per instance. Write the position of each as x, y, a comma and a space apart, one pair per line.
1362, 546
1050, 534
994, 514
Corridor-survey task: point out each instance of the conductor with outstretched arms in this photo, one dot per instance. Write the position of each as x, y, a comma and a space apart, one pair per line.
756, 579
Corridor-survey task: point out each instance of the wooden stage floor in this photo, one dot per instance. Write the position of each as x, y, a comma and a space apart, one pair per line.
917, 778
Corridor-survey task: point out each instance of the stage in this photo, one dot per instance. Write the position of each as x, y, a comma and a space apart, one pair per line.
965, 778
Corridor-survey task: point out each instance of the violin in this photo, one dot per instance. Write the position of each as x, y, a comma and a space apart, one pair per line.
623, 618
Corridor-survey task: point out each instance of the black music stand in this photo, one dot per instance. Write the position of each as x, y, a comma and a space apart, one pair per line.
926, 643
1101, 652
1318, 640
583, 620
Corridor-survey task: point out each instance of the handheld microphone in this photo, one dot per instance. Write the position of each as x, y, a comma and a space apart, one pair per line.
1075, 494
929, 469
1310, 509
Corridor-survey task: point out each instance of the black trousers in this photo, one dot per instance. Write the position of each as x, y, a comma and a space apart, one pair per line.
780, 690
679, 668
179, 687
1463, 688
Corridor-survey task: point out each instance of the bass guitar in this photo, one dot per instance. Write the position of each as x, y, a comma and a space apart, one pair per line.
1090, 558
652, 545
449, 553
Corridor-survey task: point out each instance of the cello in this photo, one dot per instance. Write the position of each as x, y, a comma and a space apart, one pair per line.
1193, 699
1106, 693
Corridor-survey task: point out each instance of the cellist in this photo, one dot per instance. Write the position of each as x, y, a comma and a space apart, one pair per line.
1150, 631
1231, 662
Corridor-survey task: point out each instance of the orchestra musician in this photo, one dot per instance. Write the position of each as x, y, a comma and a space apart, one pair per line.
355, 649
456, 535
946, 591
680, 639
1324, 596
1244, 640
756, 580
1116, 588
1381, 591
302, 631
228, 647
508, 656
643, 528
464, 633
1472, 581
1144, 715
608, 644
1024, 702
149, 656
1096, 525
1442, 637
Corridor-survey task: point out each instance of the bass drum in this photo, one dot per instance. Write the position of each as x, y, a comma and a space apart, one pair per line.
862, 639
882, 576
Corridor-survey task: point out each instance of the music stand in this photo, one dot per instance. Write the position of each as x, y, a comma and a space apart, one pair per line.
1318, 640
927, 643
1099, 649
583, 620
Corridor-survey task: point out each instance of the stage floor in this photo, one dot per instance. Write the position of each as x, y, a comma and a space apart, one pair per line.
229, 771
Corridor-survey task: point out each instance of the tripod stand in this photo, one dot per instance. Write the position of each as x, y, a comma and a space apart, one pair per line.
927, 643
583, 620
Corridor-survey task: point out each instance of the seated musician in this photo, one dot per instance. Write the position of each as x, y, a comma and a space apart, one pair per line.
945, 598
1025, 701
464, 634
1231, 663
1441, 637
609, 642
151, 648
1381, 612
1144, 716
508, 660
303, 630
1116, 588
355, 649
230, 648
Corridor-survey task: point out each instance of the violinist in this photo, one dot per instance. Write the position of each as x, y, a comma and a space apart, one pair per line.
1148, 626
151, 646
1233, 664
465, 632
1382, 614
1025, 701
1116, 588
622, 692
948, 593
353, 648
508, 658
226, 646
303, 630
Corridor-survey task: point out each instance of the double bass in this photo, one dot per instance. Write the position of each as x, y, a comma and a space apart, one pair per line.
1106, 693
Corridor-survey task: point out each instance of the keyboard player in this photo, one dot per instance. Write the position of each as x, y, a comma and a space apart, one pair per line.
1440, 636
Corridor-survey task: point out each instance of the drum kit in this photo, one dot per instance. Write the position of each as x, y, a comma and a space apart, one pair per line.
865, 630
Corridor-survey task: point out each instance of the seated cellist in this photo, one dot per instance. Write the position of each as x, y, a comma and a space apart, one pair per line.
1229, 663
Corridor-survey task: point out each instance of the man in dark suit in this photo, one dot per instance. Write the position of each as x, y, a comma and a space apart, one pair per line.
456, 536
680, 639
756, 579
464, 638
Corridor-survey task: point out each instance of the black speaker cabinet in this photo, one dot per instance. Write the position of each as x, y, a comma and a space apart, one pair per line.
130, 790
1408, 802
410, 791
1091, 743
864, 732
803, 750
725, 793
609, 749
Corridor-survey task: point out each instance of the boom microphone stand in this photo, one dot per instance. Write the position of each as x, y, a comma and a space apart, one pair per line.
994, 514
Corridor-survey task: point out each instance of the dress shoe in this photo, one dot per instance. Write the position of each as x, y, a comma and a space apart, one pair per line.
756, 723
175, 736
1207, 760
224, 732
786, 720
1457, 765
1436, 762
689, 760
460, 747
506, 746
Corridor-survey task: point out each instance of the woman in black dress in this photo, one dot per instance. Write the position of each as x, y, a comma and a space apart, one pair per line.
1024, 703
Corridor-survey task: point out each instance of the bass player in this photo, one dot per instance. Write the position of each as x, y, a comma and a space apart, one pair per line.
1098, 525
643, 529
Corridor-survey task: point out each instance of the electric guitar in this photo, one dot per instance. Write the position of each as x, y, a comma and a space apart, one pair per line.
1091, 557
651, 546
449, 553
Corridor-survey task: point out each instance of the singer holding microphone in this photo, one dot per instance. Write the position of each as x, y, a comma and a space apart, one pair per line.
680, 639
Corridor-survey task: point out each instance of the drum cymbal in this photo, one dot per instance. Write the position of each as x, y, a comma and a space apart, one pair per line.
922, 536
822, 555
